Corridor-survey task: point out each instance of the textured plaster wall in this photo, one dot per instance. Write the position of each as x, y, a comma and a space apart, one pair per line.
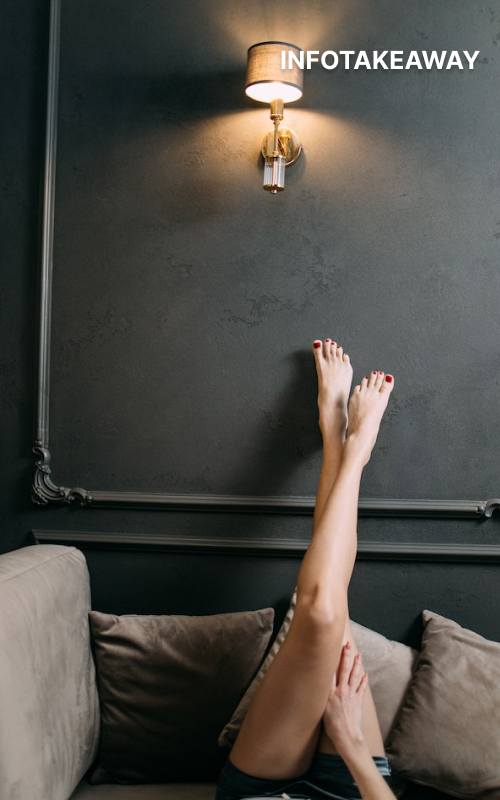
185, 298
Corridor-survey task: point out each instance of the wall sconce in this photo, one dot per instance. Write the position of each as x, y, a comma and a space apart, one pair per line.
267, 82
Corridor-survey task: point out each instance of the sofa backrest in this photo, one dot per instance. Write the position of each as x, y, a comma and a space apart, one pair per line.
49, 712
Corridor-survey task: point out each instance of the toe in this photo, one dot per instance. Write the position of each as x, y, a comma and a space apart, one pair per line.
317, 351
340, 352
372, 378
346, 358
379, 379
327, 349
364, 382
387, 383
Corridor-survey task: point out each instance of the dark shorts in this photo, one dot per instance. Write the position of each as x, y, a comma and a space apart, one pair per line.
327, 777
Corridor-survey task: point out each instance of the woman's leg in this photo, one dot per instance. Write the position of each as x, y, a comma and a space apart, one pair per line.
280, 732
333, 412
334, 371
334, 380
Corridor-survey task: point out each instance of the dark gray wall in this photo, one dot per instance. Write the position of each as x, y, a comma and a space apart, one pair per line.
185, 297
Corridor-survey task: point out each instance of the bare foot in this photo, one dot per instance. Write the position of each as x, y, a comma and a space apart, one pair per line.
366, 409
334, 382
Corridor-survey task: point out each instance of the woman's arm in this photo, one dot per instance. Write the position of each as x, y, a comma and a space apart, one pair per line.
342, 721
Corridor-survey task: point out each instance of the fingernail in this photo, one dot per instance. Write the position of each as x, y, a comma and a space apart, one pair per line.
388, 378
317, 344
374, 372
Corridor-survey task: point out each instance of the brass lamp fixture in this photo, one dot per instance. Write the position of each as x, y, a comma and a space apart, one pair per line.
268, 82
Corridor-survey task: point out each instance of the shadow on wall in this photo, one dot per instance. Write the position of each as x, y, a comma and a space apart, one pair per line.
290, 429
195, 38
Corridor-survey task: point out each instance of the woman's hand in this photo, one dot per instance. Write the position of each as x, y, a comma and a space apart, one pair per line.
342, 718
342, 723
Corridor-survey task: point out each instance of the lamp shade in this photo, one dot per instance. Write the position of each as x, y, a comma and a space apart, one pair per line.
266, 80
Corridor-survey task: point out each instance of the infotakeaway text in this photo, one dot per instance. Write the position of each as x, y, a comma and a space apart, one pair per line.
380, 59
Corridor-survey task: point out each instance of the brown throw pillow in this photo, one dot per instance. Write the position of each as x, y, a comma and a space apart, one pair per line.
166, 686
389, 666
447, 734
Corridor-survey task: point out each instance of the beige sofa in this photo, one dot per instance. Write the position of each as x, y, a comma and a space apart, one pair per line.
49, 720
49, 706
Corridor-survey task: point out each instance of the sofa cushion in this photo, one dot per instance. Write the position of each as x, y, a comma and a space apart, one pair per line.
49, 716
197, 791
447, 734
167, 683
158, 791
415, 792
389, 666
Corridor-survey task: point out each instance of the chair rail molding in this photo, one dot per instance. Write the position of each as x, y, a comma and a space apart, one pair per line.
449, 552
45, 489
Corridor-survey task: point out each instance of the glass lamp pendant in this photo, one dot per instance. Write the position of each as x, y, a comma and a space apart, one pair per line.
274, 174
280, 148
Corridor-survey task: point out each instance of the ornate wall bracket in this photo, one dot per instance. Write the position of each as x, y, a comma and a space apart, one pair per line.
45, 490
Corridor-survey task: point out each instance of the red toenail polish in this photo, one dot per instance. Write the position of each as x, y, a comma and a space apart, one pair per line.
374, 372
317, 344
388, 378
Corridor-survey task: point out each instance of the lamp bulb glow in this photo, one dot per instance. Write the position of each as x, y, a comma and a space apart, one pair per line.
267, 91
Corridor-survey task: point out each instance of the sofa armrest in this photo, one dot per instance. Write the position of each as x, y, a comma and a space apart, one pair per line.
49, 720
